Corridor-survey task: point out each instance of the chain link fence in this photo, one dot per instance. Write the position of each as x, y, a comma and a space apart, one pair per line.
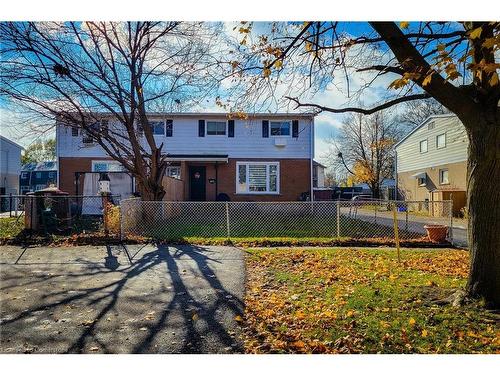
60, 214
332, 219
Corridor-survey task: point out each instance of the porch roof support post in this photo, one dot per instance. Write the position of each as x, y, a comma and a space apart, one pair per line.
216, 180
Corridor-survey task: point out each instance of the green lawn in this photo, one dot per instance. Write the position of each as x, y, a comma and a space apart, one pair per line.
344, 300
10, 227
277, 226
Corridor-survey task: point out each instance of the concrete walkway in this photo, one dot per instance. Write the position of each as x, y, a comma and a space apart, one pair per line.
133, 299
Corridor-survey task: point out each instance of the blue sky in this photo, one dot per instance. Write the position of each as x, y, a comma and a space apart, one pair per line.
16, 126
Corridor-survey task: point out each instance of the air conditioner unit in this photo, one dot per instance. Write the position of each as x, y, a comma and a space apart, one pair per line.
280, 142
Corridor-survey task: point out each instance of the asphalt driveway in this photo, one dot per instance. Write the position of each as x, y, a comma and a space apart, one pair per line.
133, 299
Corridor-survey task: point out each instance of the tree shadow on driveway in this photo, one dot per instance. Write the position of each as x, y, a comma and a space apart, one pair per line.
169, 299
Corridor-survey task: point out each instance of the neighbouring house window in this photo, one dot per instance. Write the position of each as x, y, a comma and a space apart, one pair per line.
430, 126
24, 175
280, 128
423, 146
74, 132
52, 174
157, 127
443, 176
441, 141
174, 172
39, 187
216, 128
257, 178
24, 189
38, 175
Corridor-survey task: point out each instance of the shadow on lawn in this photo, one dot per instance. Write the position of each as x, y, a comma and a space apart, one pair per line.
182, 303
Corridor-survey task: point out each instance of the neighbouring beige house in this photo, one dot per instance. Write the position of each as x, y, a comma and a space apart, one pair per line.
431, 162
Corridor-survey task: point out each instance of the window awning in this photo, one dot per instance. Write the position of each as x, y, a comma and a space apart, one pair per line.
198, 157
419, 175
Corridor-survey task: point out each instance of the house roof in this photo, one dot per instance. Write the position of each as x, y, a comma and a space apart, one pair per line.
11, 142
421, 125
222, 114
318, 164
40, 166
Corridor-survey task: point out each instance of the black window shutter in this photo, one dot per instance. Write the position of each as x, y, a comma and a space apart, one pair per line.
201, 128
265, 129
230, 128
170, 128
295, 128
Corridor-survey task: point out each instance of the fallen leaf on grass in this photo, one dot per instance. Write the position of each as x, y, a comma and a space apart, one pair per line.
238, 318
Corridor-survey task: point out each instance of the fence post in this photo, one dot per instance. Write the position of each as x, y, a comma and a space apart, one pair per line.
406, 217
396, 230
227, 220
338, 219
450, 212
121, 220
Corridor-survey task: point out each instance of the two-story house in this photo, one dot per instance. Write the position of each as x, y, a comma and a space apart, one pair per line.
265, 157
431, 161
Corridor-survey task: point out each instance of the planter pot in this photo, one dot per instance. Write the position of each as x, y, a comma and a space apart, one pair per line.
436, 233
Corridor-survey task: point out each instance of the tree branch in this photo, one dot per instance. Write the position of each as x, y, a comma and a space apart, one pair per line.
361, 110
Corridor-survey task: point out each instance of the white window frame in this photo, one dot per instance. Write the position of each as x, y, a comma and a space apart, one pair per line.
426, 146
280, 135
437, 142
24, 175
164, 128
171, 167
39, 187
267, 164
441, 182
108, 162
215, 135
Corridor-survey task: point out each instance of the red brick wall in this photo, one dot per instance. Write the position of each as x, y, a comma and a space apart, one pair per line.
67, 169
295, 178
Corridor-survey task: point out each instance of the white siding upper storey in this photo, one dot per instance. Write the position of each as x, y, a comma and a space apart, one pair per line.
439, 140
248, 140
10, 156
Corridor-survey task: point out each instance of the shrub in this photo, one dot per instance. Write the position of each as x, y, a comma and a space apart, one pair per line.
112, 218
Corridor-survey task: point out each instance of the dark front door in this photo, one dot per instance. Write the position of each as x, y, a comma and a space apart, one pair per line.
197, 186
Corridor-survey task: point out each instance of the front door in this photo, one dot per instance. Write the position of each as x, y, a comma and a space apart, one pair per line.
197, 186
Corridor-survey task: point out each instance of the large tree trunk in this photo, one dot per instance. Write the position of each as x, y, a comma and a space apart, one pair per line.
483, 196
150, 189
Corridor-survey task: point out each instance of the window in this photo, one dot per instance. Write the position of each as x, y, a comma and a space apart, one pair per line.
38, 175
86, 136
257, 178
52, 174
280, 128
106, 166
216, 128
74, 132
39, 187
24, 175
443, 176
423, 146
315, 176
430, 126
441, 141
157, 127
174, 172
422, 180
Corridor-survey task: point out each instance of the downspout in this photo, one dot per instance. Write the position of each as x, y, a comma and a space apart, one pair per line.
57, 154
311, 159
396, 192
216, 180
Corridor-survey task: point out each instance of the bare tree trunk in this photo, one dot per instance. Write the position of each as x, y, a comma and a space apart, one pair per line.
483, 196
